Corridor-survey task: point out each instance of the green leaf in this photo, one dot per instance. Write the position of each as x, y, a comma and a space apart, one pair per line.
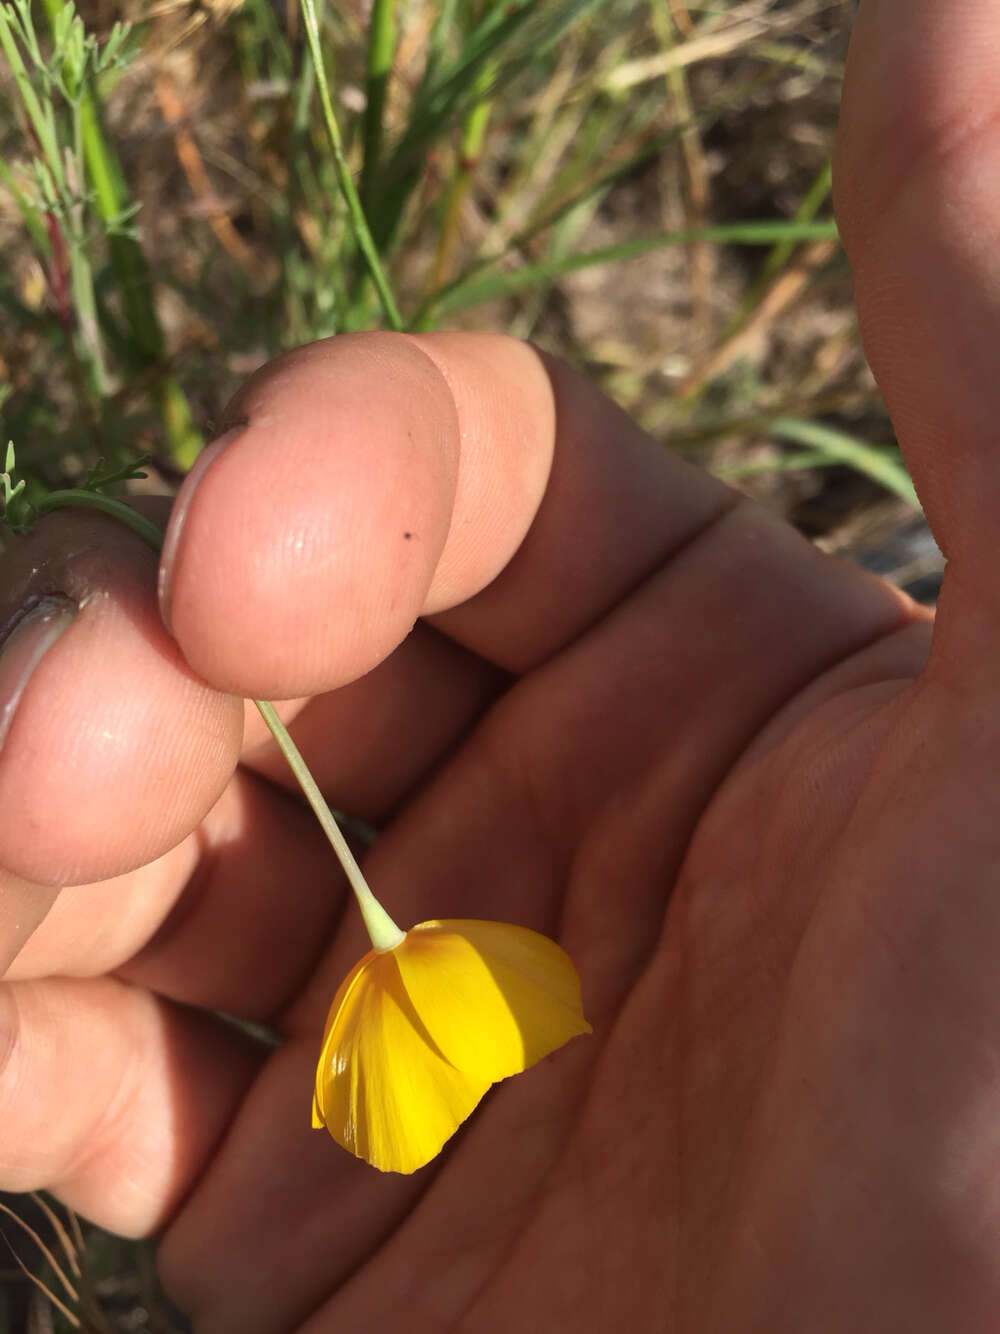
97, 480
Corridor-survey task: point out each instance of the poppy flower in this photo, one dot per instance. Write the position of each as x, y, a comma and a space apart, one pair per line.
418, 1032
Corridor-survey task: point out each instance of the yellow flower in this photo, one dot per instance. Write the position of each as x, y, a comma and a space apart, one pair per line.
419, 1031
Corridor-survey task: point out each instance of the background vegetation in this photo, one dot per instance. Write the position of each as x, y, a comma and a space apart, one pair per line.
642, 186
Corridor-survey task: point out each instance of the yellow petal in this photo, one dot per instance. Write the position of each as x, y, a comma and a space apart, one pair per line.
330, 1037
383, 1090
495, 998
417, 1034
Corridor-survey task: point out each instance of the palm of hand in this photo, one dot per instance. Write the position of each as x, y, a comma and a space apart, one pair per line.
705, 780
730, 790
634, 1191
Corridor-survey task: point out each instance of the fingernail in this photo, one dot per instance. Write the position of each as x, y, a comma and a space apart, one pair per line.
33, 634
180, 511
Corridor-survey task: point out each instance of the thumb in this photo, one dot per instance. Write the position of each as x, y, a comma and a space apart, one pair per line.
918, 199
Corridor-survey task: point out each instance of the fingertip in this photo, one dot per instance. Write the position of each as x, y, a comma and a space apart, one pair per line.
178, 516
114, 750
506, 405
305, 550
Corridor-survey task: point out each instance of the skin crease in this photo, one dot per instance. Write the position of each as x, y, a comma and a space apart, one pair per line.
750, 793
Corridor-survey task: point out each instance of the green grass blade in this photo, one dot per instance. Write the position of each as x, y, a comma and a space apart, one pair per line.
813, 200
800, 461
381, 50
470, 292
444, 22
880, 464
509, 39
595, 188
127, 259
470, 151
359, 223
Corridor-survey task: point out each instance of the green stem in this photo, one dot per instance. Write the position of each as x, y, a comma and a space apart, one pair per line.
359, 224
111, 198
383, 931
469, 152
91, 500
381, 50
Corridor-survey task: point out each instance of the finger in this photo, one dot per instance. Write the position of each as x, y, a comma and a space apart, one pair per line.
919, 204
112, 1099
374, 478
232, 919
113, 749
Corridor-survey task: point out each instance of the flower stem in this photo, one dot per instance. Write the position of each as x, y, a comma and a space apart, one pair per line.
383, 931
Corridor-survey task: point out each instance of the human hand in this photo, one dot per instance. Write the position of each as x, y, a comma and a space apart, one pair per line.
639, 714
